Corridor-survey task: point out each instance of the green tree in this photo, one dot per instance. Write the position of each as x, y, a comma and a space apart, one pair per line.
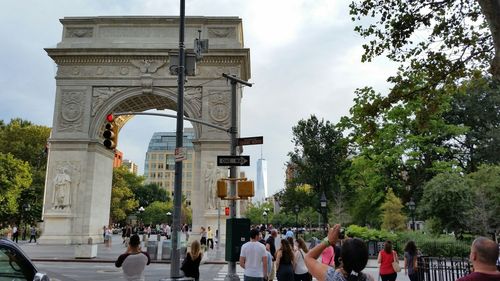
123, 202
367, 182
319, 157
485, 211
27, 142
300, 195
445, 39
149, 193
156, 212
254, 213
392, 217
447, 200
476, 107
15, 176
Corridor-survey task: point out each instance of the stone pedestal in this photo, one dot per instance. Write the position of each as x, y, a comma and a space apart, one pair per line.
86, 251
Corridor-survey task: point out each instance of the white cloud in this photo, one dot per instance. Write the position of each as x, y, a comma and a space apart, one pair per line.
305, 60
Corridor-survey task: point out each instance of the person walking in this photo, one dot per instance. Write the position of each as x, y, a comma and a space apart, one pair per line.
15, 234
300, 272
271, 248
191, 264
133, 261
285, 261
203, 239
32, 233
410, 261
354, 256
385, 259
253, 258
483, 255
210, 238
107, 237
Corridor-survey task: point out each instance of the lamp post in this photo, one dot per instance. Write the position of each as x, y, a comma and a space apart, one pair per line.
411, 206
26, 208
141, 209
169, 215
264, 214
296, 211
322, 202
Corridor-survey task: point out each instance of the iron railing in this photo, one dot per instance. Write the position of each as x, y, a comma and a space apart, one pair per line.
442, 269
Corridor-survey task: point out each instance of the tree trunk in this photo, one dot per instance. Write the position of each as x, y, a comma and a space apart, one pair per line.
491, 11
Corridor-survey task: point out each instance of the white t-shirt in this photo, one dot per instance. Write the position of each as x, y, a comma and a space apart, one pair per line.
253, 253
300, 265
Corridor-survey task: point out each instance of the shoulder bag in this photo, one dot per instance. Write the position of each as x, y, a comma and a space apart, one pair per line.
395, 263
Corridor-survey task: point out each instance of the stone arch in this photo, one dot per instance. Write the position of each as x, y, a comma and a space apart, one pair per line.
133, 99
110, 64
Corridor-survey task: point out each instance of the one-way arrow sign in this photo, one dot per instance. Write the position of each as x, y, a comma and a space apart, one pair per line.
242, 160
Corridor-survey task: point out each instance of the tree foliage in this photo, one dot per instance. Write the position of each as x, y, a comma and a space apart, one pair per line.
319, 157
444, 39
447, 199
485, 212
123, 201
15, 177
149, 193
27, 142
475, 107
392, 217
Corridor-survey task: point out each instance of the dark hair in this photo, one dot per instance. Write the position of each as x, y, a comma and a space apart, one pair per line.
286, 251
254, 233
388, 247
486, 249
411, 248
290, 241
134, 240
354, 257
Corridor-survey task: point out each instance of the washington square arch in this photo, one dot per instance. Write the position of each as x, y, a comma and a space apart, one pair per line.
121, 64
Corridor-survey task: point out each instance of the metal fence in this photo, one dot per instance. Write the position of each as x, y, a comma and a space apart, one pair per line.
442, 269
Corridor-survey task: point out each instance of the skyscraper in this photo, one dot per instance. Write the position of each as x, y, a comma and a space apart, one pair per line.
261, 185
159, 166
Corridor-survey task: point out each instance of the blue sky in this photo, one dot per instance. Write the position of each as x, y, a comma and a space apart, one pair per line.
306, 59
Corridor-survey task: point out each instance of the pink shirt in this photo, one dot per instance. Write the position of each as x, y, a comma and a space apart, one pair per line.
328, 256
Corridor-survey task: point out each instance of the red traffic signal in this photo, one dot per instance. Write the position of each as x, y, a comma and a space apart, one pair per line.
226, 211
110, 117
110, 136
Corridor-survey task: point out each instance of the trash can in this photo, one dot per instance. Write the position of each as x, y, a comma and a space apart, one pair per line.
166, 250
152, 249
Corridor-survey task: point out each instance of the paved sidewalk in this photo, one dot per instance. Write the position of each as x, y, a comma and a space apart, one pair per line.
39, 252
104, 254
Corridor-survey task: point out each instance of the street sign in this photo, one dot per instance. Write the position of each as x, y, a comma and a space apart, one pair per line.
241, 160
250, 141
180, 154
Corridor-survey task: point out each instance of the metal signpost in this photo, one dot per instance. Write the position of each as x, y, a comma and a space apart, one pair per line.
250, 141
242, 160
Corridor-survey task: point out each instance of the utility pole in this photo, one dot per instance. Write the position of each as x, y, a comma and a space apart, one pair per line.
179, 134
233, 130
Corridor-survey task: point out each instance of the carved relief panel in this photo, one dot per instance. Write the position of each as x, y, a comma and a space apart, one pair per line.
72, 109
65, 180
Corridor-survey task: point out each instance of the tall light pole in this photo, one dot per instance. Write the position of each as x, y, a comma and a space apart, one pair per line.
296, 210
322, 202
233, 131
411, 206
264, 214
179, 133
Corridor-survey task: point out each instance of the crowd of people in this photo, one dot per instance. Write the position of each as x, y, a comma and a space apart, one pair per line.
274, 254
343, 259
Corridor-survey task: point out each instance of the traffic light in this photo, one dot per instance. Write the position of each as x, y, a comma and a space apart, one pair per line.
110, 133
246, 189
226, 211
